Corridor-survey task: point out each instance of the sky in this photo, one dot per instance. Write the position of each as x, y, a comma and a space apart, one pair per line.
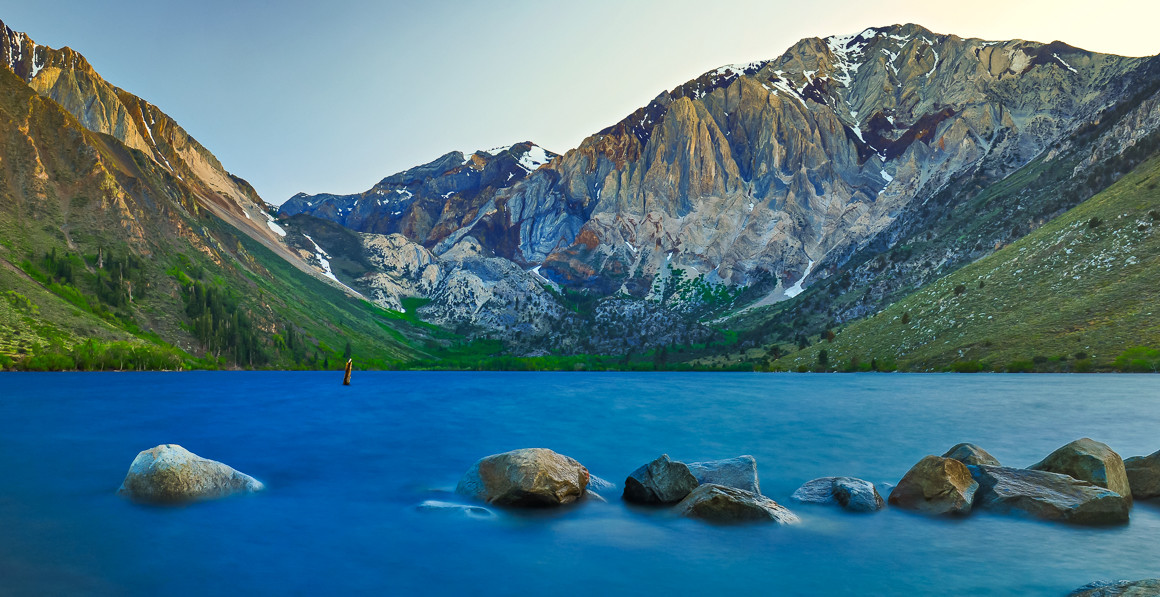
314, 97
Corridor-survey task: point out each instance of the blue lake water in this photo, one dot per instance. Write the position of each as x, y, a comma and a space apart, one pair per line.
347, 467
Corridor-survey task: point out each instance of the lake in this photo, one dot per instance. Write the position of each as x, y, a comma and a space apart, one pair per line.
347, 467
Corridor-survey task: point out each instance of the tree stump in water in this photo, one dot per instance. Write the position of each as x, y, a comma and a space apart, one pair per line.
346, 378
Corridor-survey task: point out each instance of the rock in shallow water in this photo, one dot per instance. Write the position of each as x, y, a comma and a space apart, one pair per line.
850, 493
1046, 495
531, 477
453, 508
718, 503
936, 486
170, 473
739, 473
1144, 476
971, 454
1091, 461
661, 481
1120, 588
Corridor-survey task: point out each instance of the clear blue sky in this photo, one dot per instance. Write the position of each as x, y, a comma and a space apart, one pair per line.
331, 97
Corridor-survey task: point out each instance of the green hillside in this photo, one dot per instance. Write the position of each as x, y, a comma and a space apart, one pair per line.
1073, 295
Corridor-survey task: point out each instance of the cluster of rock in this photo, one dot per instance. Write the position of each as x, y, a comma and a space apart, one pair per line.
1083, 482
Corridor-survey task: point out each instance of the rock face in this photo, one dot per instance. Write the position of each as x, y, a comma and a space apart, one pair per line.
740, 472
850, 493
1144, 476
718, 503
1091, 461
936, 486
661, 481
529, 477
170, 473
438, 201
1046, 495
1122, 588
971, 454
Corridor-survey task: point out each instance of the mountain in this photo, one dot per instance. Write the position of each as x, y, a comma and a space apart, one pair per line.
844, 175
750, 173
123, 243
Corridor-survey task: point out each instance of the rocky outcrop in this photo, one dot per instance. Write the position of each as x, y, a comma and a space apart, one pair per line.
850, 493
721, 504
1048, 496
531, 477
1144, 476
971, 454
1091, 461
661, 481
936, 486
438, 202
1121, 588
739, 472
170, 473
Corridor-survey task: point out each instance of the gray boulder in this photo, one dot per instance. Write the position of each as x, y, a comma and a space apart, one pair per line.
850, 493
1144, 476
661, 481
718, 503
1120, 588
170, 473
1091, 461
971, 454
1046, 495
740, 473
936, 486
529, 477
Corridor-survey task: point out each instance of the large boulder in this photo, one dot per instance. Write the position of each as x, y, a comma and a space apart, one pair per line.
1144, 476
852, 494
1046, 495
971, 454
661, 481
530, 477
936, 486
1120, 588
718, 503
170, 473
1091, 461
739, 473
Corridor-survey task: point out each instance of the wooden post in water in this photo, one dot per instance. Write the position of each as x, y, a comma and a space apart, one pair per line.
346, 378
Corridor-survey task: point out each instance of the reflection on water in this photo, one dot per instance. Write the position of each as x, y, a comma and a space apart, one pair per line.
360, 481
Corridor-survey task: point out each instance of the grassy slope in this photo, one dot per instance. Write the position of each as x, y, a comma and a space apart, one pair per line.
1066, 288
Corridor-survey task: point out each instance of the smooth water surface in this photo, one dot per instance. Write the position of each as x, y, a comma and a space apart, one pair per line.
347, 467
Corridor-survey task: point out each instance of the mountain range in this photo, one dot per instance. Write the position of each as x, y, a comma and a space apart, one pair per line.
742, 217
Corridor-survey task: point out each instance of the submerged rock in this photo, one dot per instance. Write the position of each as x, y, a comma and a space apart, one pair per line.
1144, 476
850, 493
1047, 495
971, 454
936, 486
718, 503
598, 484
451, 507
1088, 460
528, 477
1120, 588
739, 473
661, 481
170, 473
